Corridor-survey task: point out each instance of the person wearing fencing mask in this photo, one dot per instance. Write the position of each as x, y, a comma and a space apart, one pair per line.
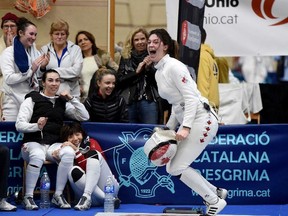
194, 120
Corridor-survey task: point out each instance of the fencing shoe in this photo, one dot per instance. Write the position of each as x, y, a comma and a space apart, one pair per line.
83, 204
60, 201
5, 206
29, 203
214, 209
221, 193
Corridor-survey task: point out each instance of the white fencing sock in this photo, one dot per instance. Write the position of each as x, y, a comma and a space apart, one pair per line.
64, 167
92, 176
211, 186
32, 175
194, 180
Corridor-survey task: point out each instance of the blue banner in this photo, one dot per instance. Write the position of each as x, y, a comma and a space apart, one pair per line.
248, 160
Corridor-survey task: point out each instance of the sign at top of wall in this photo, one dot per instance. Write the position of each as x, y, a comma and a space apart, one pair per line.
241, 28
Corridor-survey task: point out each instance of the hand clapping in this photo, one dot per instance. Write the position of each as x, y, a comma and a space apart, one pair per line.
41, 61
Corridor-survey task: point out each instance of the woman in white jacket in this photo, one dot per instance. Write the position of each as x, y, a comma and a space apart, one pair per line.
197, 121
19, 65
65, 57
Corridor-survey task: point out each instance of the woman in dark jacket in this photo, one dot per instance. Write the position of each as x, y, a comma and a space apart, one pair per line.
104, 105
136, 79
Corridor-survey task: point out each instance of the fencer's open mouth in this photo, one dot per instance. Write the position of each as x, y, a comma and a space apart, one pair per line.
152, 51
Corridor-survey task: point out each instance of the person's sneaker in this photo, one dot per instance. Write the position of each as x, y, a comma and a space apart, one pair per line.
5, 206
29, 204
60, 201
83, 204
221, 193
214, 209
117, 202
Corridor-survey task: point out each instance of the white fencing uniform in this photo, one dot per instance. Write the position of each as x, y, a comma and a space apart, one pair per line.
176, 85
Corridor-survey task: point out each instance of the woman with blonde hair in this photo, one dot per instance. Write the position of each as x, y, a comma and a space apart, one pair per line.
65, 57
136, 79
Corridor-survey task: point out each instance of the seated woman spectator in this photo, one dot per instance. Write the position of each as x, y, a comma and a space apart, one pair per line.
94, 58
65, 57
89, 175
104, 105
40, 118
136, 77
20, 64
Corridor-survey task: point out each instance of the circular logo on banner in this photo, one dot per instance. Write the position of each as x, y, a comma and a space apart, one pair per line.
265, 8
134, 169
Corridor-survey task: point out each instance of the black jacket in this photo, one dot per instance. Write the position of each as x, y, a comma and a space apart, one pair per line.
132, 86
111, 109
43, 107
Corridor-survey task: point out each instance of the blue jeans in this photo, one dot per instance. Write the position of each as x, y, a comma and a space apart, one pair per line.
143, 111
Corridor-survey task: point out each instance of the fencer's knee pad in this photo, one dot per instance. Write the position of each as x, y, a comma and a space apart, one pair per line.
76, 173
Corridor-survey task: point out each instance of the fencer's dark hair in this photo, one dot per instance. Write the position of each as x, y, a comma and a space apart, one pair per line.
44, 76
167, 40
22, 24
69, 129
